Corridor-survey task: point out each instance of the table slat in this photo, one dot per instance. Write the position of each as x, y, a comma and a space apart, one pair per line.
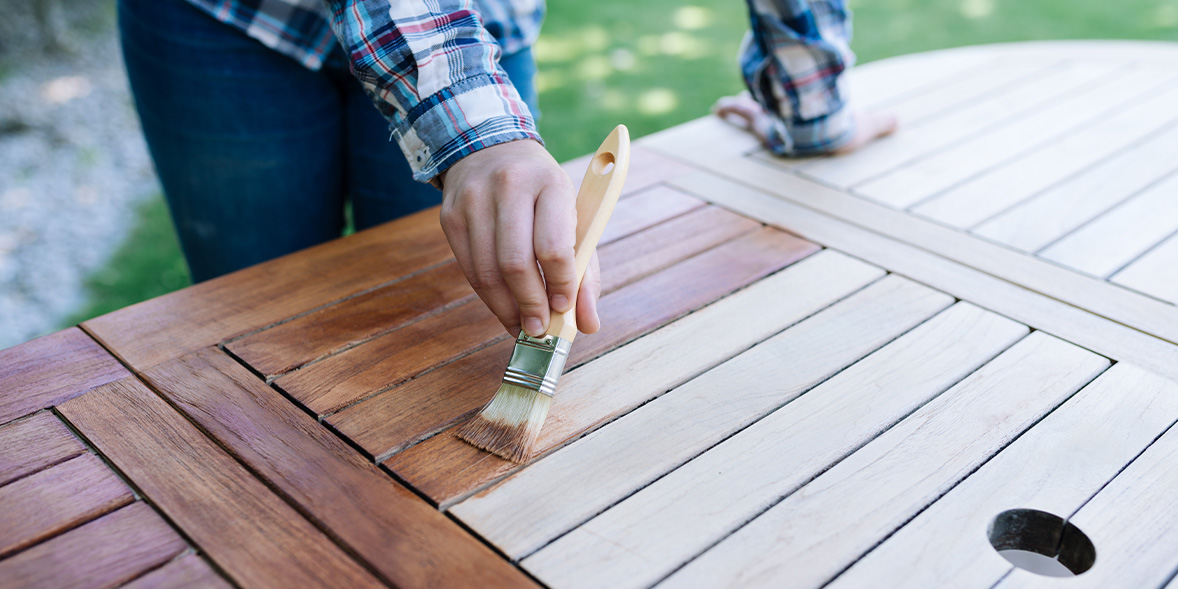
34, 443
103, 553
583, 479
1055, 467
645, 210
1057, 211
397, 418
812, 535
1110, 242
445, 468
220, 309
58, 498
651, 533
980, 198
1153, 273
252, 534
43, 372
189, 570
407, 541
913, 183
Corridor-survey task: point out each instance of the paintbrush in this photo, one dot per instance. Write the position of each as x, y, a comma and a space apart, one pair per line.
510, 424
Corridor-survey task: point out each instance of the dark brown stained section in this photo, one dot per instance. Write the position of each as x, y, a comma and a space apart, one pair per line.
58, 498
33, 443
294, 343
419, 408
43, 372
204, 314
252, 534
189, 570
407, 541
103, 553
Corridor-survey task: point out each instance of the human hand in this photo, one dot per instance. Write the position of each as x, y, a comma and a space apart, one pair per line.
869, 126
509, 211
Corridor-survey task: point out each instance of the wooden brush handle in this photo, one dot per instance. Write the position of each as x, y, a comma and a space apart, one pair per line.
595, 203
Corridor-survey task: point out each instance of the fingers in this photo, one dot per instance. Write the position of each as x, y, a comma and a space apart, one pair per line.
516, 262
473, 243
553, 241
588, 320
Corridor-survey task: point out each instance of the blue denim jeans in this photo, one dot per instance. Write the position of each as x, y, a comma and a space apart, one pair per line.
257, 154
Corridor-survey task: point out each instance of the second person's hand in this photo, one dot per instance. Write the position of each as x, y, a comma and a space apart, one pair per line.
509, 211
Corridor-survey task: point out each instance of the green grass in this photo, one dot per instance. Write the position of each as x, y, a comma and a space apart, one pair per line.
652, 64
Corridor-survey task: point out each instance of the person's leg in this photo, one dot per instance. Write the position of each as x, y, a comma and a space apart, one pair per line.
380, 182
247, 142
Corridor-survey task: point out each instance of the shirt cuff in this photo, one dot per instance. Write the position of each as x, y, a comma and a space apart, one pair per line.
469, 115
795, 137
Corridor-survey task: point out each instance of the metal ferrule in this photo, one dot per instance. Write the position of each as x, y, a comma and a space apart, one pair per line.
537, 362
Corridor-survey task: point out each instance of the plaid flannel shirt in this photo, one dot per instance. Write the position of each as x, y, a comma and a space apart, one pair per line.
430, 66
792, 63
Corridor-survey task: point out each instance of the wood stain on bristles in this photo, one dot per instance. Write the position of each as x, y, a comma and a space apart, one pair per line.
510, 424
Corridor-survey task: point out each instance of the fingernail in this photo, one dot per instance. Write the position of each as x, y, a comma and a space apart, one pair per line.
534, 326
559, 302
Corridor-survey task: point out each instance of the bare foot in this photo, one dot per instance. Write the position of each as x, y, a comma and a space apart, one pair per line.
749, 114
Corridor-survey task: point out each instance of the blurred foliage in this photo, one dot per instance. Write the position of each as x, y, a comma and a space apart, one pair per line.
652, 64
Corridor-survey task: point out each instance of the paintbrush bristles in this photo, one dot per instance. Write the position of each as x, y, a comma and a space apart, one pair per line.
510, 424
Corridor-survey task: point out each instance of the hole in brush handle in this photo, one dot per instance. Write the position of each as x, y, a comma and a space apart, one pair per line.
602, 164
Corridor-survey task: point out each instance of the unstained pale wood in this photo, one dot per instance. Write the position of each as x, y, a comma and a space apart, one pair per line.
404, 415
103, 553
580, 480
188, 570
647, 209
310, 337
48, 370
44, 504
204, 314
251, 533
407, 541
647, 168
811, 535
445, 468
33, 443
1055, 467
651, 533
1153, 273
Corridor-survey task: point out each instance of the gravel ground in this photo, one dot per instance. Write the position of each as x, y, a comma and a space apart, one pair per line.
73, 164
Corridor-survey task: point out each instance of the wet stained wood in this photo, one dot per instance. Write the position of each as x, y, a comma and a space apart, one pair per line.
48, 370
44, 504
408, 542
33, 443
103, 553
204, 314
188, 570
647, 209
251, 533
445, 468
404, 415
309, 337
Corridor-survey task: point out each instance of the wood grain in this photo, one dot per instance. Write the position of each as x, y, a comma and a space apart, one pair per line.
1132, 524
983, 196
307, 338
359, 373
913, 183
647, 209
1016, 285
1055, 467
1117, 237
1153, 273
58, 498
253, 535
651, 533
103, 553
582, 479
445, 468
398, 534
863, 499
166, 327
402, 416
1057, 211
188, 570
33, 443
48, 370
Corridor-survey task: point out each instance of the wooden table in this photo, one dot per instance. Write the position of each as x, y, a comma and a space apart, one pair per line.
836, 370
